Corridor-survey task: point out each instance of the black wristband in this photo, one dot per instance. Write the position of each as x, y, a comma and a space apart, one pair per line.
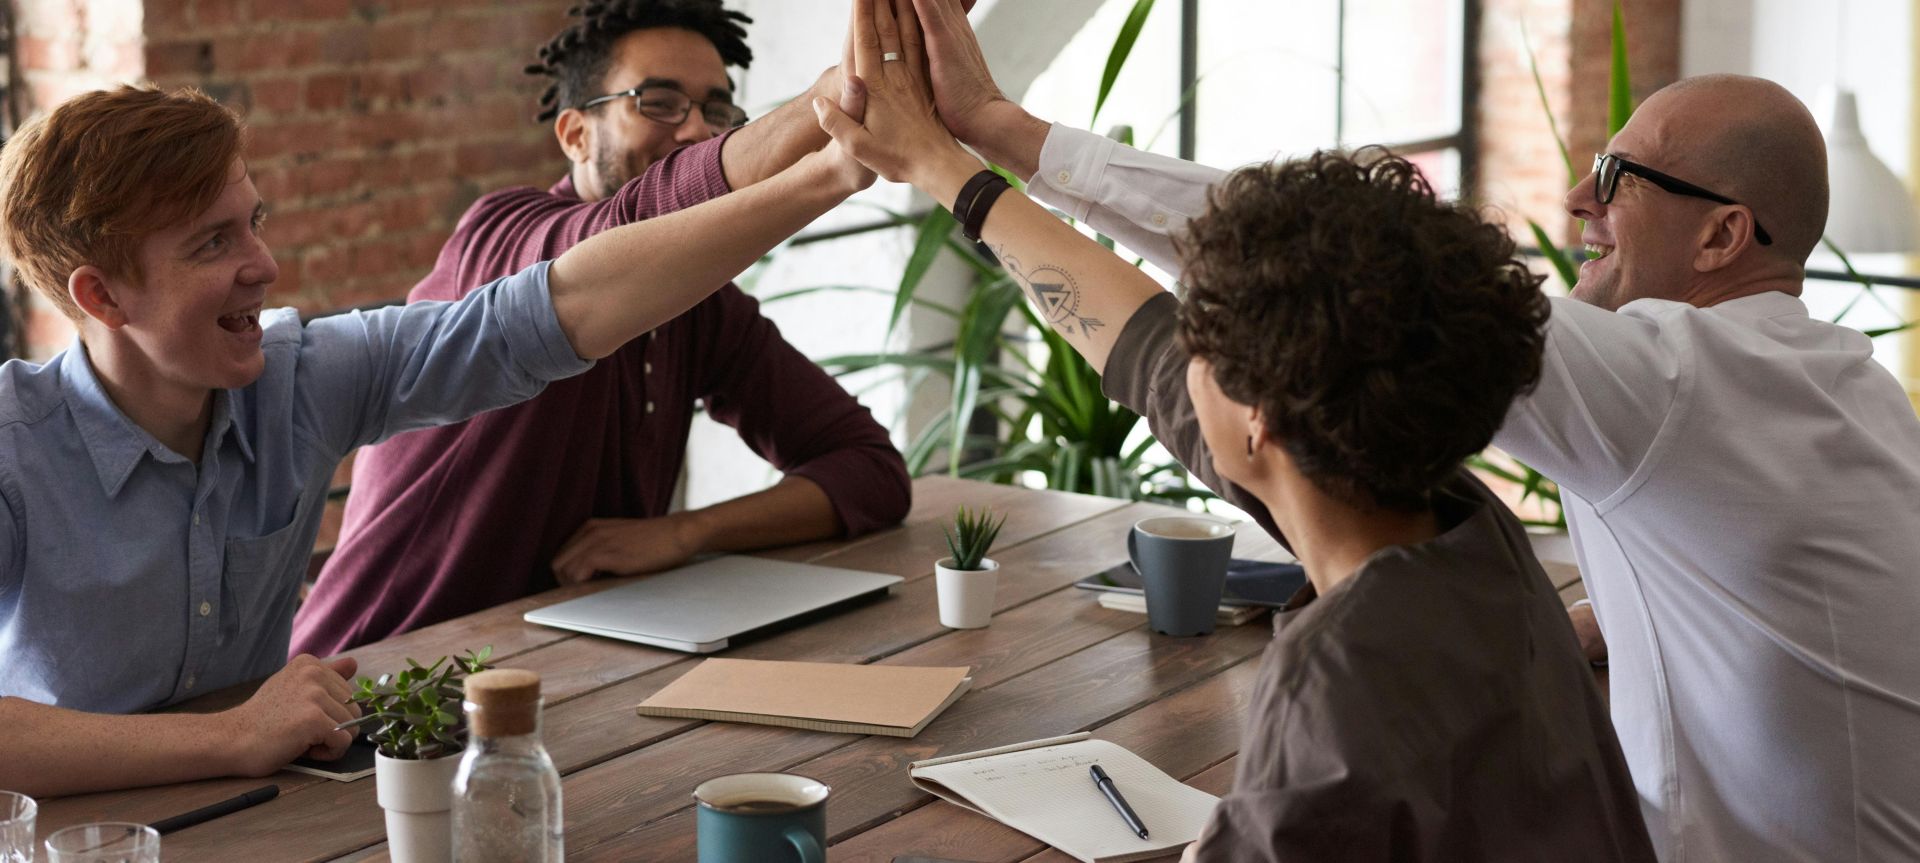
976, 198
981, 205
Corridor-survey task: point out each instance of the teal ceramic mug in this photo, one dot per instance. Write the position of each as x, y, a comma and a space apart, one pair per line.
762, 818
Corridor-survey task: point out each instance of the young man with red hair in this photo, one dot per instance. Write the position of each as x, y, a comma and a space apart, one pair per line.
161, 481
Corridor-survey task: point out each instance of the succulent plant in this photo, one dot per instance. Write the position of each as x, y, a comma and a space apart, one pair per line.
972, 536
417, 714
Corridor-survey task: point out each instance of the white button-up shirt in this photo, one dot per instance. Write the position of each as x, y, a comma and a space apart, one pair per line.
1743, 485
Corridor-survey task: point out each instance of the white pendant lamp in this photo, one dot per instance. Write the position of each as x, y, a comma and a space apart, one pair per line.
1870, 210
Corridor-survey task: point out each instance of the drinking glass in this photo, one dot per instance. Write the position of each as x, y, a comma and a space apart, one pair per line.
16, 827
104, 843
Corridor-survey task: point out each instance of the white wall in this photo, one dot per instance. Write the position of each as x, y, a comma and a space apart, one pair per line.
1810, 46
793, 41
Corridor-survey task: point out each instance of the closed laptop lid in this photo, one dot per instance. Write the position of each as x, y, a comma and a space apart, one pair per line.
699, 606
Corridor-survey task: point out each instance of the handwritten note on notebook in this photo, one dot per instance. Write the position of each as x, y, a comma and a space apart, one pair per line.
1042, 789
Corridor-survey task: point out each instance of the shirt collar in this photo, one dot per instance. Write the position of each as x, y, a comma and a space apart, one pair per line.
113, 441
1759, 307
565, 188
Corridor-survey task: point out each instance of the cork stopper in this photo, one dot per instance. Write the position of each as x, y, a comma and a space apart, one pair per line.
504, 702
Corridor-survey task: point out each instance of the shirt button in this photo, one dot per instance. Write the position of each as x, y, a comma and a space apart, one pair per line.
647, 367
1160, 219
190, 679
206, 608
649, 407
1064, 177
196, 519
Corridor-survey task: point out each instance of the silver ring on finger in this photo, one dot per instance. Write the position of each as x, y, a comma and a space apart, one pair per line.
889, 57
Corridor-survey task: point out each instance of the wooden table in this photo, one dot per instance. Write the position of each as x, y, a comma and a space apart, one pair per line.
1053, 662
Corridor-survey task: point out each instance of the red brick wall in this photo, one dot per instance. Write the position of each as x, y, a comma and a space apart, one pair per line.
375, 122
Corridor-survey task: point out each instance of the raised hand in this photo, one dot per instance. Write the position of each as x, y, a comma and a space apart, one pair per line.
969, 101
902, 137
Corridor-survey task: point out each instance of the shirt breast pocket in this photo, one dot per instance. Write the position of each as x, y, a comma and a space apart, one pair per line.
259, 582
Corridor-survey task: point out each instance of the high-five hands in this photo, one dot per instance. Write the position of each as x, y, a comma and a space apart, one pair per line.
970, 103
902, 137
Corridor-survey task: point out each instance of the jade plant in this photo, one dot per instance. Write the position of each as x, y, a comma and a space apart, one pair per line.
972, 536
416, 714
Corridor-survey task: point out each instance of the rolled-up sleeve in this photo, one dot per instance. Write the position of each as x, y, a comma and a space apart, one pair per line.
1147, 372
366, 376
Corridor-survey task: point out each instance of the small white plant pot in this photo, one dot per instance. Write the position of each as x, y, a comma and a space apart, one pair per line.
418, 799
966, 596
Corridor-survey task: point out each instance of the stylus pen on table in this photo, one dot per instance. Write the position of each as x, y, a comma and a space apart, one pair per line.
1105, 784
225, 807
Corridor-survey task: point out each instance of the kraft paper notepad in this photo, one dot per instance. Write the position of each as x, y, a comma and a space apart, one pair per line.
1042, 789
892, 700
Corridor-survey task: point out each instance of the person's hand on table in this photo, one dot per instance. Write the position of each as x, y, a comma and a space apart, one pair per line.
901, 138
293, 714
628, 546
1587, 627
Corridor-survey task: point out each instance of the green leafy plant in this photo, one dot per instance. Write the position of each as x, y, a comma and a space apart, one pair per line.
417, 713
971, 537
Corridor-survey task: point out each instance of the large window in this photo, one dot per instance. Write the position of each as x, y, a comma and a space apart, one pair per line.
1280, 79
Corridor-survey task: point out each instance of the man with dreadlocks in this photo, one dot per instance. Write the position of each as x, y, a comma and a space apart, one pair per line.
578, 481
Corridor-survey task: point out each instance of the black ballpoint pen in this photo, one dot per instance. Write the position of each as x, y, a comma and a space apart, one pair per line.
225, 807
1105, 784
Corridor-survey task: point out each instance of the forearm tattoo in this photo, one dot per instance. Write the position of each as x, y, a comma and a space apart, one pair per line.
1055, 293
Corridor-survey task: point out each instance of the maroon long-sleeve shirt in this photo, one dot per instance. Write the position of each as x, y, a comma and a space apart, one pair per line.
448, 521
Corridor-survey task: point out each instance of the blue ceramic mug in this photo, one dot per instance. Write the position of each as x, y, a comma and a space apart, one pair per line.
1182, 561
762, 818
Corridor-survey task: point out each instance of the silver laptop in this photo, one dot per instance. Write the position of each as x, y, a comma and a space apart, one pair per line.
698, 607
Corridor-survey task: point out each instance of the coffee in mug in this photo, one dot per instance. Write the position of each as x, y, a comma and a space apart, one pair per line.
770, 817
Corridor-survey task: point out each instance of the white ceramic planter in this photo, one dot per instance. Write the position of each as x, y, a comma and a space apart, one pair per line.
966, 596
418, 799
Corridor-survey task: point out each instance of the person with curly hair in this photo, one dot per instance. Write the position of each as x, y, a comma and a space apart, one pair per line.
1346, 341
641, 102
1740, 477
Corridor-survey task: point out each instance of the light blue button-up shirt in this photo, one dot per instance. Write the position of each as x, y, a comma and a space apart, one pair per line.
131, 578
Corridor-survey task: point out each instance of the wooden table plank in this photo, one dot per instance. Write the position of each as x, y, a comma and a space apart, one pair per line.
1207, 717
1083, 690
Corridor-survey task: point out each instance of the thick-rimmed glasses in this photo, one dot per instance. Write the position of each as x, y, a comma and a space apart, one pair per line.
1607, 169
668, 105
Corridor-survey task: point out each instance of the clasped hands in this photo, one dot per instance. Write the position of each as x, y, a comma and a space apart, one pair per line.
918, 92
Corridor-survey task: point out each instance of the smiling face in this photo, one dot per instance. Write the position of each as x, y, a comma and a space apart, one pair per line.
615, 142
1745, 138
1642, 244
194, 316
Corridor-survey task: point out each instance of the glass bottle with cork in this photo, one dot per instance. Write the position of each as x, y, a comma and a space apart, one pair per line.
506, 795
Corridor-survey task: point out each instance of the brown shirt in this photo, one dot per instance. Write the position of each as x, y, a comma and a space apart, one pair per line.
1433, 706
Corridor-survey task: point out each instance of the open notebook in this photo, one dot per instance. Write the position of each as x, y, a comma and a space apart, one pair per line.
1042, 789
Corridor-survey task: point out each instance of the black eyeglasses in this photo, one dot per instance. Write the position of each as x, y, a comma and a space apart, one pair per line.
670, 106
1607, 169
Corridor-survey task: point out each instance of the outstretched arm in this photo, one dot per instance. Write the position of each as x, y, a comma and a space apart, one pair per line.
50, 751
682, 257
1083, 291
1140, 199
